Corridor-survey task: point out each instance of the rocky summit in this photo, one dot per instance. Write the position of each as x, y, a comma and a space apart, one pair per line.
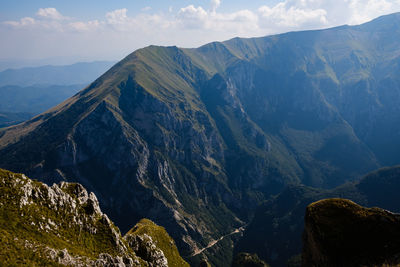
62, 224
195, 139
339, 232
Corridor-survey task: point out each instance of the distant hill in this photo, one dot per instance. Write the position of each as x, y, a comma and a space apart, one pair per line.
35, 99
78, 73
19, 104
12, 118
26, 92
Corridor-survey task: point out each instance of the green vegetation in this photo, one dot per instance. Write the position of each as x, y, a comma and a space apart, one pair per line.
44, 224
40, 225
161, 239
15, 252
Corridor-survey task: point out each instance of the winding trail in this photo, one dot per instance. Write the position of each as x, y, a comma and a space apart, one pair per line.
213, 242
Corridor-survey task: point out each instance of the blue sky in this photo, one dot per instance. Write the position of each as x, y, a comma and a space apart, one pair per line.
14, 9
55, 31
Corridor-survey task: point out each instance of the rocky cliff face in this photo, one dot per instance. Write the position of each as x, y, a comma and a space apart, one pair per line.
63, 224
194, 139
275, 233
339, 232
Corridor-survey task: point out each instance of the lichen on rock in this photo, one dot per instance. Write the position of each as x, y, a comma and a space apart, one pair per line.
63, 224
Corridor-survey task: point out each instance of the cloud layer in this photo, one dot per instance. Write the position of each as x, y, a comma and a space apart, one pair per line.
117, 32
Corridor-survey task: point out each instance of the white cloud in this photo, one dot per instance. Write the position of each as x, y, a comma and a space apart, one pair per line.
364, 11
243, 22
188, 26
22, 22
339, 12
119, 20
46, 18
85, 26
284, 15
214, 5
192, 17
117, 17
50, 13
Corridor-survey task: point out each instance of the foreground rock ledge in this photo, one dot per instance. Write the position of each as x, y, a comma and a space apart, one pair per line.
62, 224
338, 232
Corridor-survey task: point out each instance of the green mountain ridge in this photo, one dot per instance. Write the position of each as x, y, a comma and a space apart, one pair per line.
196, 139
63, 225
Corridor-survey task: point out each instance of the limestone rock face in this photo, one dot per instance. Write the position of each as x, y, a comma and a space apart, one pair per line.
339, 232
63, 224
145, 247
153, 244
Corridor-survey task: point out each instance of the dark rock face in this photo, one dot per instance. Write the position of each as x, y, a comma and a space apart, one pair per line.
275, 233
339, 232
248, 260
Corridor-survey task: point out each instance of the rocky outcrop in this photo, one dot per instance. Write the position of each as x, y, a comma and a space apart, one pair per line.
248, 260
63, 224
275, 233
152, 243
339, 232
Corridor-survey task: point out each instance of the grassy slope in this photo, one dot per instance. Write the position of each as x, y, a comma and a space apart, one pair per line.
162, 241
22, 222
26, 237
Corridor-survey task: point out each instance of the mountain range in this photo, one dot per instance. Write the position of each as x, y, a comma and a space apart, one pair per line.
78, 73
27, 92
196, 139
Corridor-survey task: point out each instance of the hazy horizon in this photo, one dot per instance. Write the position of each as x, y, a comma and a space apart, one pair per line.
61, 33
